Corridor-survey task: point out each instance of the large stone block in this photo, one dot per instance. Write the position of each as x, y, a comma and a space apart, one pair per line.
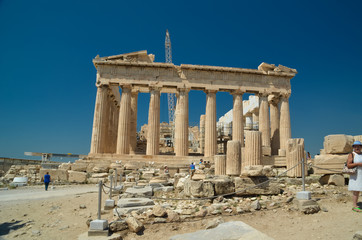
79, 167
223, 186
55, 174
338, 143
198, 188
248, 186
329, 163
77, 177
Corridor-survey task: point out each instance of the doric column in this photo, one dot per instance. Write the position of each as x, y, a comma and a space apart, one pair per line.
153, 131
233, 158
238, 121
124, 122
248, 121
252, 149
210, 124
100, 119
285, 130
264, 124
202, 134
182, 123
133, 131
255, 120
274, 124
220, 164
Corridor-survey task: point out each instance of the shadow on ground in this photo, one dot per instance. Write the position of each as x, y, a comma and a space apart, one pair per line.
13, 225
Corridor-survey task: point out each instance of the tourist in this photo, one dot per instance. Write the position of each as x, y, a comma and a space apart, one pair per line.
201, 162
192, 169
46, 180
166, 170
355, 180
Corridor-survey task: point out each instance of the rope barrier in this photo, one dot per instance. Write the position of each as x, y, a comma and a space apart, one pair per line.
227, 194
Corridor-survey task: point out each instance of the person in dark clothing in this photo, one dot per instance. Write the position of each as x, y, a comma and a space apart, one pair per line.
47, 180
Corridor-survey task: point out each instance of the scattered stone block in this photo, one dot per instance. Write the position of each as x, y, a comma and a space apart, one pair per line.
336, 179
198, 189
77, 177
228, 230
140, 192
118, 225
159, 211
307, 206
79, 167
134, 225
339, 143
223, 186
357, 236
134, 202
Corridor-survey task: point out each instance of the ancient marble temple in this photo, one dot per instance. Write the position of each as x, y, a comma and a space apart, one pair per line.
115, 115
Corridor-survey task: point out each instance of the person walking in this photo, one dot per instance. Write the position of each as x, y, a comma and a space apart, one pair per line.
355, 180
47, 180
192, 170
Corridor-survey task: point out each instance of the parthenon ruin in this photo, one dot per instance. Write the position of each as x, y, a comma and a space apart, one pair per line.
114, 133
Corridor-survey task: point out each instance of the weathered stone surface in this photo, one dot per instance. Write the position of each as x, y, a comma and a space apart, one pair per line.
336, 179
159, 211
245, 186
338, 143
55, 174
253, 171
79, 167
213, 223
65, 166
172, 216
223, 186
357, 236
198, 189
77, 177
226, 231
307, 206
123, 211
118, 225
96, 180
134, 225
100, 169
255, 205
333, 162
134, 202
99, 175
144, 191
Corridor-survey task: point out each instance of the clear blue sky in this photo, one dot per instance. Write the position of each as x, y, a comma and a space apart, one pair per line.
47, 90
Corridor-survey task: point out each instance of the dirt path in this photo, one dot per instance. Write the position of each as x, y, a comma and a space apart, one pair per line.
32, 213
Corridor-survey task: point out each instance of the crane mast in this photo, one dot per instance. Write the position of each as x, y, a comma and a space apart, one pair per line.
171, 97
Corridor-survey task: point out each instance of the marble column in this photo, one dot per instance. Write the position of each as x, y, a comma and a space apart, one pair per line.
294, 155
233, 158
202, 134
274, 124
153, 131
252, 149
182, 123
220, 164
98, 133
133, 131
264, 122
285, 130
238, 121
248, 121
210, 124
124, 121
255, 120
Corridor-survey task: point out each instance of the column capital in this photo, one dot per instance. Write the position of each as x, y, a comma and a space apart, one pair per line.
154, 88
285, 95
237, 92
124, 86
263, 94
210, 91
183, 89
101, 84
274, 98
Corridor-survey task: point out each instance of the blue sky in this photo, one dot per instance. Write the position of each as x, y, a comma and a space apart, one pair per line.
47, 91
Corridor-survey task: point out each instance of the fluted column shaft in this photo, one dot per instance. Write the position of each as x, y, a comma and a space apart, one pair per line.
252, 148
233, 158
124, 122
285, 130
255, 120
202, 134
210, 124
98, 133
182, 123
133, 131
238, 121
274, 125
294, 155
264, 123
220, 164
153, 131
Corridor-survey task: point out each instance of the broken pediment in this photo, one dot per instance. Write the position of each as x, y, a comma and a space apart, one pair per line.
271, 67
140, 56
